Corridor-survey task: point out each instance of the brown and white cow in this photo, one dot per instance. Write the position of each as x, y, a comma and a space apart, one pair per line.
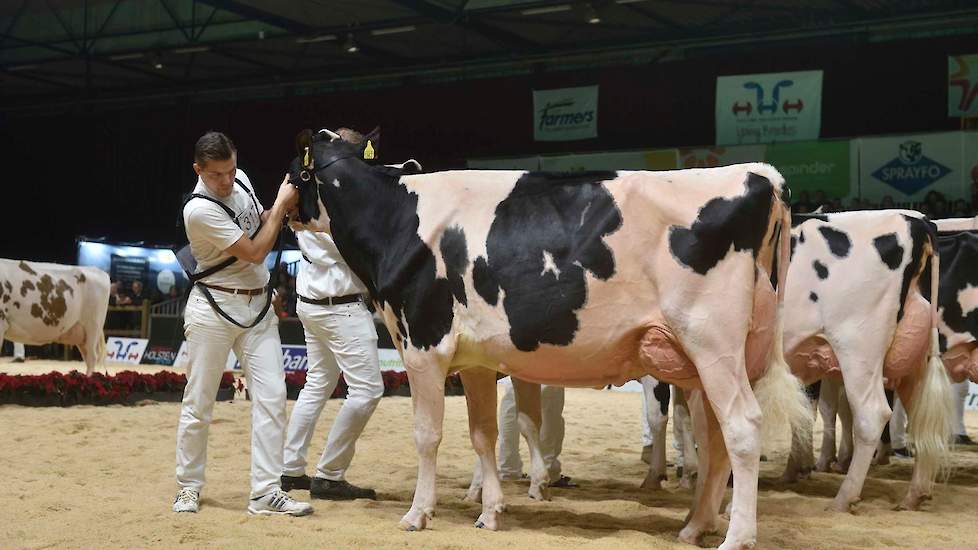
855, 310
42, 303
580, 279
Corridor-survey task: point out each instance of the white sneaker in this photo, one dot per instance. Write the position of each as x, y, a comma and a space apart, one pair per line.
278, 503
187, 500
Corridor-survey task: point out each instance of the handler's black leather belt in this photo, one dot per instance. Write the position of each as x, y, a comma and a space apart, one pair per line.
332, 301
244, 291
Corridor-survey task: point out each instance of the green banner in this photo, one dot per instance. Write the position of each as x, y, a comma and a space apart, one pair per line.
813, 166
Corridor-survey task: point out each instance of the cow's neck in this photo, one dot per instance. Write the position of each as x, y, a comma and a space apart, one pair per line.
370, 212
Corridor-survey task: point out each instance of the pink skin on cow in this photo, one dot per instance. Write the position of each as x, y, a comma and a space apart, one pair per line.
852, 330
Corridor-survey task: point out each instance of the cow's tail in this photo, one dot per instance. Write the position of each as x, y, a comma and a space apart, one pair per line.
931, 409
781, 395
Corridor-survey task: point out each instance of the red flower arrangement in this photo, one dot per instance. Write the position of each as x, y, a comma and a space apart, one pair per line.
56, 388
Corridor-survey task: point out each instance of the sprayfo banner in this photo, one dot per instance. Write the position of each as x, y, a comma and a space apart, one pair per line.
816, 166
565, 114
765, 108
909, 167
962, 85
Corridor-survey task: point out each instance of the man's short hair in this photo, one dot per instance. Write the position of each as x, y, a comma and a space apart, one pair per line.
352, 136
213, 146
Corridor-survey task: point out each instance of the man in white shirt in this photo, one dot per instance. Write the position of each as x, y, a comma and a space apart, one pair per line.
229, 221
340, 337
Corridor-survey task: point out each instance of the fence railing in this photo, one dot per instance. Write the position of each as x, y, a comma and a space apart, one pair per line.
170, 308
127, 328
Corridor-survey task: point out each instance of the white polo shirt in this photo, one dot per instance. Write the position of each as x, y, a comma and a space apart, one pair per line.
323, 273
211, 231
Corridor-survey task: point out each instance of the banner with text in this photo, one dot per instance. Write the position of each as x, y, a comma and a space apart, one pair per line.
565, 114
909, 167
962, 85
766, 108
812, 166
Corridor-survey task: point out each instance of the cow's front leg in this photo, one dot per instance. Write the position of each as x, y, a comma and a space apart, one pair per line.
428, 399
656, 411
480, 398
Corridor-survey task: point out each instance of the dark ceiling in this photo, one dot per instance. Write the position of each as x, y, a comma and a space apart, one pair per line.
82, 52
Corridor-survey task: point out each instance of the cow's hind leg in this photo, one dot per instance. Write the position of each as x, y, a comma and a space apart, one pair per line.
800, 461
682, 427
428, 400
480, 398
704, 517
864, 389
530, 420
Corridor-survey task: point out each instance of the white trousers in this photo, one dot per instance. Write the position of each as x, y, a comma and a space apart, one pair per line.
652, 415
19, 351
551, 432
340, 338
898, 425
209, 339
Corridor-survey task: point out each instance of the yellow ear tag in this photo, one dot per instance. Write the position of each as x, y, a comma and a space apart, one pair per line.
368, 152
305, 158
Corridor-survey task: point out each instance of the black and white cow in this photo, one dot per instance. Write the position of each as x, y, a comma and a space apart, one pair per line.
958, 296
857, 308
580, 279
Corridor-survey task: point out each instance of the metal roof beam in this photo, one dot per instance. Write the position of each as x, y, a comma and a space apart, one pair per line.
501, 37
13, 21
258, 14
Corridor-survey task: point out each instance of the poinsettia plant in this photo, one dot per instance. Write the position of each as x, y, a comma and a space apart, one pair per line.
100, 389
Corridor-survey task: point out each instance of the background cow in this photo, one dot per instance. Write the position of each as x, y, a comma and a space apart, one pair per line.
958, 298
42, 303
576, 279
856, 310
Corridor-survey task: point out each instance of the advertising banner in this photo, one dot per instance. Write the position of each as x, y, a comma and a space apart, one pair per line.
125, 350
767, 108
565, 114
708, 157
815, 166
661, 159
962, 85
909, 167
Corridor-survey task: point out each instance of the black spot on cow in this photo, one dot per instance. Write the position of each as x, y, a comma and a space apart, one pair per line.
80, 277
921, 232
889, 250
812, 296
959, 256
839, 243
801, 237
8, 286
544, 237
740, 222
455, 253
798, 219
16, 304
794, 242
25, 287
23, 266
820, 269
661, 393
942, 342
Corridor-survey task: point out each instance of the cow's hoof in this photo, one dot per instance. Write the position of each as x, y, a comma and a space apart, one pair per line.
416, 520
881, 460
911, 503
840, 467
690, 536
652, 483
474, 494
687, 482
823, 465
737, 545
841, 506
488, 520
539, 492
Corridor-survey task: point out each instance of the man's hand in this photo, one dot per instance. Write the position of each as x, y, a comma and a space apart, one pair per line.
288, 195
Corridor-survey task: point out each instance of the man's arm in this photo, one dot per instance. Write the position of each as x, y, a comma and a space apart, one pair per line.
255, 250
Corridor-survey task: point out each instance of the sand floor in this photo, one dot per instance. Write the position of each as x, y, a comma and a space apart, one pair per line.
102, 477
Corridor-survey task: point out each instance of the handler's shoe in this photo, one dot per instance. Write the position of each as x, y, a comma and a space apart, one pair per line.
338, 490
964, 439
187, 500
295, 482
278, 503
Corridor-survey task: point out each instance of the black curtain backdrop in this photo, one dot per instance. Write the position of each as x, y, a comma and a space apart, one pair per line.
120, 173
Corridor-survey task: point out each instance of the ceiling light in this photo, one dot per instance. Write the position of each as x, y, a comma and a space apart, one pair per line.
314, 39
546, 9
392, 30
350, 46
592, 15
125, 56
157, 61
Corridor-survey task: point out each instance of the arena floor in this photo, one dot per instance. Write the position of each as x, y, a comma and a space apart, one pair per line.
102, 477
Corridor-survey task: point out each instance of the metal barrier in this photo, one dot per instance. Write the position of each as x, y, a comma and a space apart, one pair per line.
141, 332
170, 308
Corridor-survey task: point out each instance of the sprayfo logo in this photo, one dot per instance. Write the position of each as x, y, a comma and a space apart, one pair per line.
558, 115
768, 107
911, 170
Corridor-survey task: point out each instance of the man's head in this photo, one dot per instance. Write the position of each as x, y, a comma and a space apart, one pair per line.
216, 162
137, 287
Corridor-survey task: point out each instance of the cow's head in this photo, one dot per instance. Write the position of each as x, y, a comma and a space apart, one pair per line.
310, 170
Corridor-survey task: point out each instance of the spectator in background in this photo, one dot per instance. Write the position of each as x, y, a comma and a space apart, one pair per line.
117, 298
136, 293
887, 202
803, 204
820, 200
836, 205
960, 209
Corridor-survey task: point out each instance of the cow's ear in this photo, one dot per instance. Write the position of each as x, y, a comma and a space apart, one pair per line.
303, 147
371, 144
